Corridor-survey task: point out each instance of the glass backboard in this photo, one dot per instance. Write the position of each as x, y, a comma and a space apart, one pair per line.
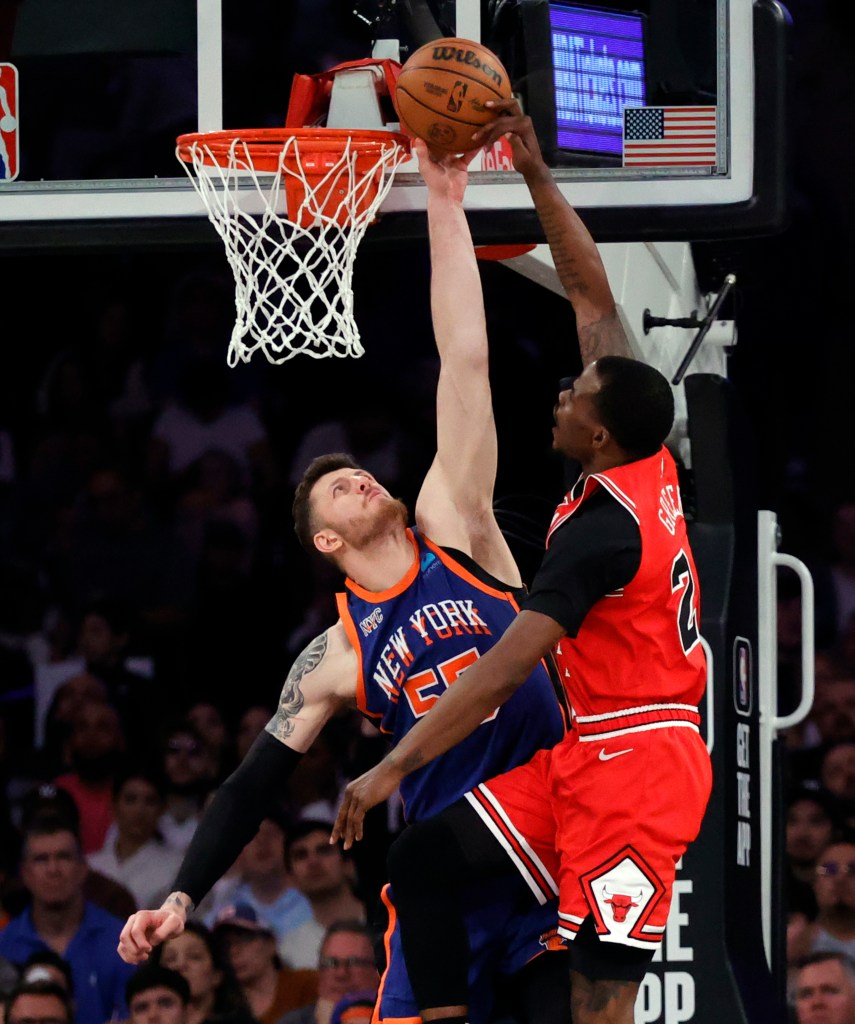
94, 93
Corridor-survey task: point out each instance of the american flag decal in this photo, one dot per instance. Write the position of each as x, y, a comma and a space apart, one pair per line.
669, 136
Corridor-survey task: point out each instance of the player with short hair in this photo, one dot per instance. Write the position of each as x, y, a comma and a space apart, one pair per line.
420, 606
603, 817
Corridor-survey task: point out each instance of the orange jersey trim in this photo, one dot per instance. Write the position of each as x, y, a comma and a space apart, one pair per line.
387, 949
350, 630
376, 596
464, 574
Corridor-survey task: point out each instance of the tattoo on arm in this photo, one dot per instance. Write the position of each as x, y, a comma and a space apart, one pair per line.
605, 337
291, 699
178, 899
412, 761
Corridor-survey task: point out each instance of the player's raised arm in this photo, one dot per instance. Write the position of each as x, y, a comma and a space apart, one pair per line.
320, 682
455, 503
574, 252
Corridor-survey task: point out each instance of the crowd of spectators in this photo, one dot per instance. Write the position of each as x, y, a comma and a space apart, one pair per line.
152, 598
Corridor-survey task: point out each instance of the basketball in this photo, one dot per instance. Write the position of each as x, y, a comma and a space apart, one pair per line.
442, 89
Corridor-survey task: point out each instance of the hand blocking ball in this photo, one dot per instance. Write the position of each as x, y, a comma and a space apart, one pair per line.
442, 89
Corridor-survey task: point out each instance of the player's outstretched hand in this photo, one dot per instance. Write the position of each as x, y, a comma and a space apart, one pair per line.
444, 173
511, 121
146, 929
360, 796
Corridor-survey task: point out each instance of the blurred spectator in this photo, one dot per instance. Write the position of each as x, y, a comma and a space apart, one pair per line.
270, 988
135, 853
227, 607
801, 925
262, 881
68, 698
810, 828
61, 918
48, 965
846, 646
323, 875
10, 839
95, 749
157, 995
250, 724
66, 701
831, 718
104, 640
115, 546
363, 430
39, 1002
837, 777
46, 801
113, 349
843, 563
315, 786
212, 491
208, 721
825, 989
346, 967
199, 321
215, 996
9, 977
319, 606
204, 417
22, 644
834, 887
72, 435
189, 775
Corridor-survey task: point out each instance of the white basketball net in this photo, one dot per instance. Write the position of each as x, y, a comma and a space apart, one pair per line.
293, 273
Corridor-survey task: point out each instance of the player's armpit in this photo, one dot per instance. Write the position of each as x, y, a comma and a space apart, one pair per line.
321, 681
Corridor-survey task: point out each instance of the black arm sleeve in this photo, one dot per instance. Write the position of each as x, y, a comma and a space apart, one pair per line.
596, 551
233, 816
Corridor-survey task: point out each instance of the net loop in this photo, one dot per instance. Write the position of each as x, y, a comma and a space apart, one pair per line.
291, 207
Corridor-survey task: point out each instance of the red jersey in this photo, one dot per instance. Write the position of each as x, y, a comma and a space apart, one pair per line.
638, 649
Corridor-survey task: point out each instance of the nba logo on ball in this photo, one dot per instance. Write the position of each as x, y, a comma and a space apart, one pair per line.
742, 675
8, 122
442, 91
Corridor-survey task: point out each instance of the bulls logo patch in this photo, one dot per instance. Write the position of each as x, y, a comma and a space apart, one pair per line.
622, 894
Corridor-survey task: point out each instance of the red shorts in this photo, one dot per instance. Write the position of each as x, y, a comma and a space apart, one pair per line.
603, 823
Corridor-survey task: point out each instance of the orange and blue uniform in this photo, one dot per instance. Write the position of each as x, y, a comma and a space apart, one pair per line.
412, 642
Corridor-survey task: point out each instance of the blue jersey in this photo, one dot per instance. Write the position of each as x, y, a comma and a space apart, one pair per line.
413, 640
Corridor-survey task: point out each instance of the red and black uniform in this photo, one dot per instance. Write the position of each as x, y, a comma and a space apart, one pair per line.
609, 811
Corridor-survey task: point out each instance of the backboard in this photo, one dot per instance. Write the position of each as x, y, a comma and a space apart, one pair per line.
97, 92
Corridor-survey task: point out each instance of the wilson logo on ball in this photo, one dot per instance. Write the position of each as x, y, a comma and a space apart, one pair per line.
468, 57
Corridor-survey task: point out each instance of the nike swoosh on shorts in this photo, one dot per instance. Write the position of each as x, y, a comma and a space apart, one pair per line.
607, 757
